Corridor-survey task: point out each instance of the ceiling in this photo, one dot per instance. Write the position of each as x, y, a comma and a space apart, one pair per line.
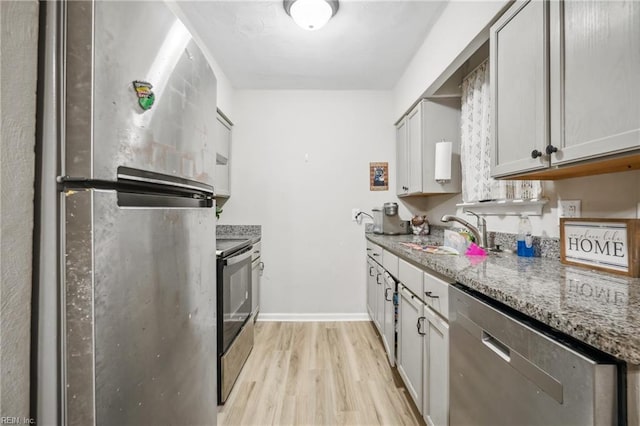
366, 45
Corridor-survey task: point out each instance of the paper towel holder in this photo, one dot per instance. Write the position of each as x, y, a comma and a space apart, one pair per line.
442, 169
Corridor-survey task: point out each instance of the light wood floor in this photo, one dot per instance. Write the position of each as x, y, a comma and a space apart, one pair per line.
328, 373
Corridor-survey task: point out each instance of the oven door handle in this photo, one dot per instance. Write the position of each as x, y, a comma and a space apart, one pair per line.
237, 259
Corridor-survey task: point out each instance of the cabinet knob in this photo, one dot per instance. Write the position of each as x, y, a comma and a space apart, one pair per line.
551, 149
535, 154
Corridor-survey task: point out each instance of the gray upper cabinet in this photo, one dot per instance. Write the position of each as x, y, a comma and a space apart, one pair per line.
565, 88
519, 88
402, 169
595, 78
414, 135
222, 185
429, 122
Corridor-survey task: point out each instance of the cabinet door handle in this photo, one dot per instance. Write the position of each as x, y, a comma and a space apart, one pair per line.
419, 325
378, 279
551, 149
535, 154
430, 294
370, 271
376, 254
386, 295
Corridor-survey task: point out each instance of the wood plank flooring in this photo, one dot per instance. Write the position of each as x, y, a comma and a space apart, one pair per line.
318, 373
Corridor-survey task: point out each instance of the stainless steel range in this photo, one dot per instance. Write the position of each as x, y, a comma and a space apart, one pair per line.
235, 332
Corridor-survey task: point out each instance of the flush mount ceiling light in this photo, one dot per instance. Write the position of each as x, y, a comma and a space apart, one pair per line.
311, 14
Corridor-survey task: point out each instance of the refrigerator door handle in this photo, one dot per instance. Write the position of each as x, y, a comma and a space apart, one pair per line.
140, 200
129, 174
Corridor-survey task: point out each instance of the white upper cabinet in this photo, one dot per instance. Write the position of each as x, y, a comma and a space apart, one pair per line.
519, 89
414, 143
402, 169
429, 122
595, 78
565, 88
223, 157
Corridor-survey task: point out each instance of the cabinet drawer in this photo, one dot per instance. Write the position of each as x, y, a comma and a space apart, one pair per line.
374, 251
390, 263
436, 294
411, 277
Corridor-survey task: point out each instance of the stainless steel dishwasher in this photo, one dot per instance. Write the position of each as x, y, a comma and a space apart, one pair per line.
505, 371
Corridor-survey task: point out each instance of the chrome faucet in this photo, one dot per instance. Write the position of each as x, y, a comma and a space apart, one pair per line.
479, 233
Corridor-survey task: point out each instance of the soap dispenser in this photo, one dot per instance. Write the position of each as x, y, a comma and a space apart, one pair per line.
525, 239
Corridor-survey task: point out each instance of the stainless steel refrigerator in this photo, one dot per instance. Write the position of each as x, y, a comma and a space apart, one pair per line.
124, 328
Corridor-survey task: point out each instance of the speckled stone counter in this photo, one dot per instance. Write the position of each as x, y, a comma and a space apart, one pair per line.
233, 232
600, 309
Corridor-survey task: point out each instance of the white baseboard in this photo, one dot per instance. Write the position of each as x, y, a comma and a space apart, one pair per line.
313, 317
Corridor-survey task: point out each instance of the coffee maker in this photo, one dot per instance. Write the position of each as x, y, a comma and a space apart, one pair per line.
387, 221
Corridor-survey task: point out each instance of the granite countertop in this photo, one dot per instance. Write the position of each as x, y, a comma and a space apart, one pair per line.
239, 232
598, 308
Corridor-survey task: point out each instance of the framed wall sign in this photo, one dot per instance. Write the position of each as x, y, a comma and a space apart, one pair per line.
611, 245
379, 176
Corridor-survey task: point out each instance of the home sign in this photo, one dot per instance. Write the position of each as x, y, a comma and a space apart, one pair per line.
605, 244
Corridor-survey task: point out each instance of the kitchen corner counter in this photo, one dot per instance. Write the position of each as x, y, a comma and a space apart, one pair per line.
600, 309
236, 232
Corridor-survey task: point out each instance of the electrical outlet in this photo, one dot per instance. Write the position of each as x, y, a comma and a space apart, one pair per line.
354, 213
569, 208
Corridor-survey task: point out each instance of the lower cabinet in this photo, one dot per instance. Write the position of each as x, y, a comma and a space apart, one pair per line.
389, 320
379, 314
381, 288
372, 271
410, 343
436, 370
411, 318
423, 356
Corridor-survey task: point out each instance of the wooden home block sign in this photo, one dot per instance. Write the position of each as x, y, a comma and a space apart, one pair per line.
611, 245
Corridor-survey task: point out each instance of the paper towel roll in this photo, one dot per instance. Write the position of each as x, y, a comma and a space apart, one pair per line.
443, 161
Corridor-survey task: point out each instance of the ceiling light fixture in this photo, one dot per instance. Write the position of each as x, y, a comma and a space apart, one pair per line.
311, 14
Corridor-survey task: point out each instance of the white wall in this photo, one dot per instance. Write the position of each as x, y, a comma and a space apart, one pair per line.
459, 24
18, 50
300, 163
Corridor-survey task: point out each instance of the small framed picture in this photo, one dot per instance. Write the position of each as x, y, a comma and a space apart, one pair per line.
379, 176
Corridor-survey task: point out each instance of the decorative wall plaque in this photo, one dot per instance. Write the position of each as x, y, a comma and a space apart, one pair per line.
611, 245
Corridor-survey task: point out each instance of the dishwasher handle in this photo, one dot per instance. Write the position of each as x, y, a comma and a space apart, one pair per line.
496, 346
